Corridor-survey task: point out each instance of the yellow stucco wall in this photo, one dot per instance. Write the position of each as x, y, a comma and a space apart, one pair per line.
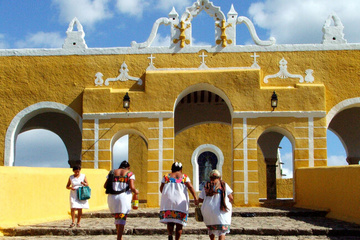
337, 191
33, 195
187, 141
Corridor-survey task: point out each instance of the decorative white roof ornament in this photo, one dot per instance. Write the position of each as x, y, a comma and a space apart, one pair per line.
203, 62
283, 73
75, 39
333, 34
124, 76
234, 20
181, 29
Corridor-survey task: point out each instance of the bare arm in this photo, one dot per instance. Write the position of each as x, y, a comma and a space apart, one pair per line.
68, 185
85, 182
132, 186
192, 191
161, 187
231, 198
105, 183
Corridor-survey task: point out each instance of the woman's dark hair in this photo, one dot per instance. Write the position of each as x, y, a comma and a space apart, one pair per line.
176, 166
76, 168
124, 164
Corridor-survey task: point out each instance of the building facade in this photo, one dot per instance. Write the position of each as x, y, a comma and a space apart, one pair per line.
205, 106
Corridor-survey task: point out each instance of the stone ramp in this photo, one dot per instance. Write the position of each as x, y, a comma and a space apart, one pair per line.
254, 223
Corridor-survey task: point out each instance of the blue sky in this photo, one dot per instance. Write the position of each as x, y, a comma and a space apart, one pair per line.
115, 23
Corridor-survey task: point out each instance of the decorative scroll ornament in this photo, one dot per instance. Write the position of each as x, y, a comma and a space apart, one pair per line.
283, 73
124, 76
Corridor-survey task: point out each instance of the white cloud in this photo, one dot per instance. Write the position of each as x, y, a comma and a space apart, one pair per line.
133, 7
137, 7
178, 4
161, 41
40, 148
287, 167
337, 161
87, 11
301, 21
41, 40
3, 43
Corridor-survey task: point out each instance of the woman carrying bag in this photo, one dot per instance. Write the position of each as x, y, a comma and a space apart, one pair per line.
119, 185
75, 181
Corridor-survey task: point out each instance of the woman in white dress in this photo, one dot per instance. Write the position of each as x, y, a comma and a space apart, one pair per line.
75, 181
216, 209
174, 206
121, 184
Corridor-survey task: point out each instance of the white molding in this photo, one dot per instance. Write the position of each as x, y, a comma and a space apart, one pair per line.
26, 114
348, 103
199, 150
296, 114
192, 49
91, 116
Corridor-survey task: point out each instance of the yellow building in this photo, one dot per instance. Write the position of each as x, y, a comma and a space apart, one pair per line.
207, 107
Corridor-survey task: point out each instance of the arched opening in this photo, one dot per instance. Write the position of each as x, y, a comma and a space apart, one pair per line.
203, 129
131, 145
120, 151
57, 118
346, 125
336, 154
40, 148
276, 164
203, 30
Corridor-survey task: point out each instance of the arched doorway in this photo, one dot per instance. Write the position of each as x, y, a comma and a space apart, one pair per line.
203, 136
133, 144
57, 118
269, 144
346, 125
40, 148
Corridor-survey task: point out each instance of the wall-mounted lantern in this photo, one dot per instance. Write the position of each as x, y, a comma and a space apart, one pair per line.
126, 101
274, 101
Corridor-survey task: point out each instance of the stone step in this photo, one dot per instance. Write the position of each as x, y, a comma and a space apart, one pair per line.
237, 212
145, 226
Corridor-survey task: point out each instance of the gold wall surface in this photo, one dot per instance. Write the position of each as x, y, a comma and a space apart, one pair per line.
69, 80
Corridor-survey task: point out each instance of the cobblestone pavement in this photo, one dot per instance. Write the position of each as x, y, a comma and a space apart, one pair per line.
150, 228
183, 237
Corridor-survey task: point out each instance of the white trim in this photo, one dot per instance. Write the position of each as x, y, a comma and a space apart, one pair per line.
199, 150
168, 49
311, 142
246, 177
161, 152
90, 116
96, 144
348, 103
296, 114
26, 114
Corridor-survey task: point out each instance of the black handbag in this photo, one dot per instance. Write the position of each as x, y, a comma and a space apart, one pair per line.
198, 214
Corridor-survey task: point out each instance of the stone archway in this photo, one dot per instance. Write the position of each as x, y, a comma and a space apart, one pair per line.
346, 125
137, 158
269, 143
55, 117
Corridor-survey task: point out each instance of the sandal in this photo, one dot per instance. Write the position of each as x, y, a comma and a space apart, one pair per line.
78, 225
72, 225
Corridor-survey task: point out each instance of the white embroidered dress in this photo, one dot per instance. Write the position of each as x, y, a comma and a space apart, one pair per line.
74, 201
218, 222
174, 206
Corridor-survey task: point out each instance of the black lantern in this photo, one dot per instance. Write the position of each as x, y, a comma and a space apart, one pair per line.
274, 101
126, 101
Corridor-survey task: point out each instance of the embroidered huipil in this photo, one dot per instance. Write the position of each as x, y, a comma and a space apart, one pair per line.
174, 206
120, 204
